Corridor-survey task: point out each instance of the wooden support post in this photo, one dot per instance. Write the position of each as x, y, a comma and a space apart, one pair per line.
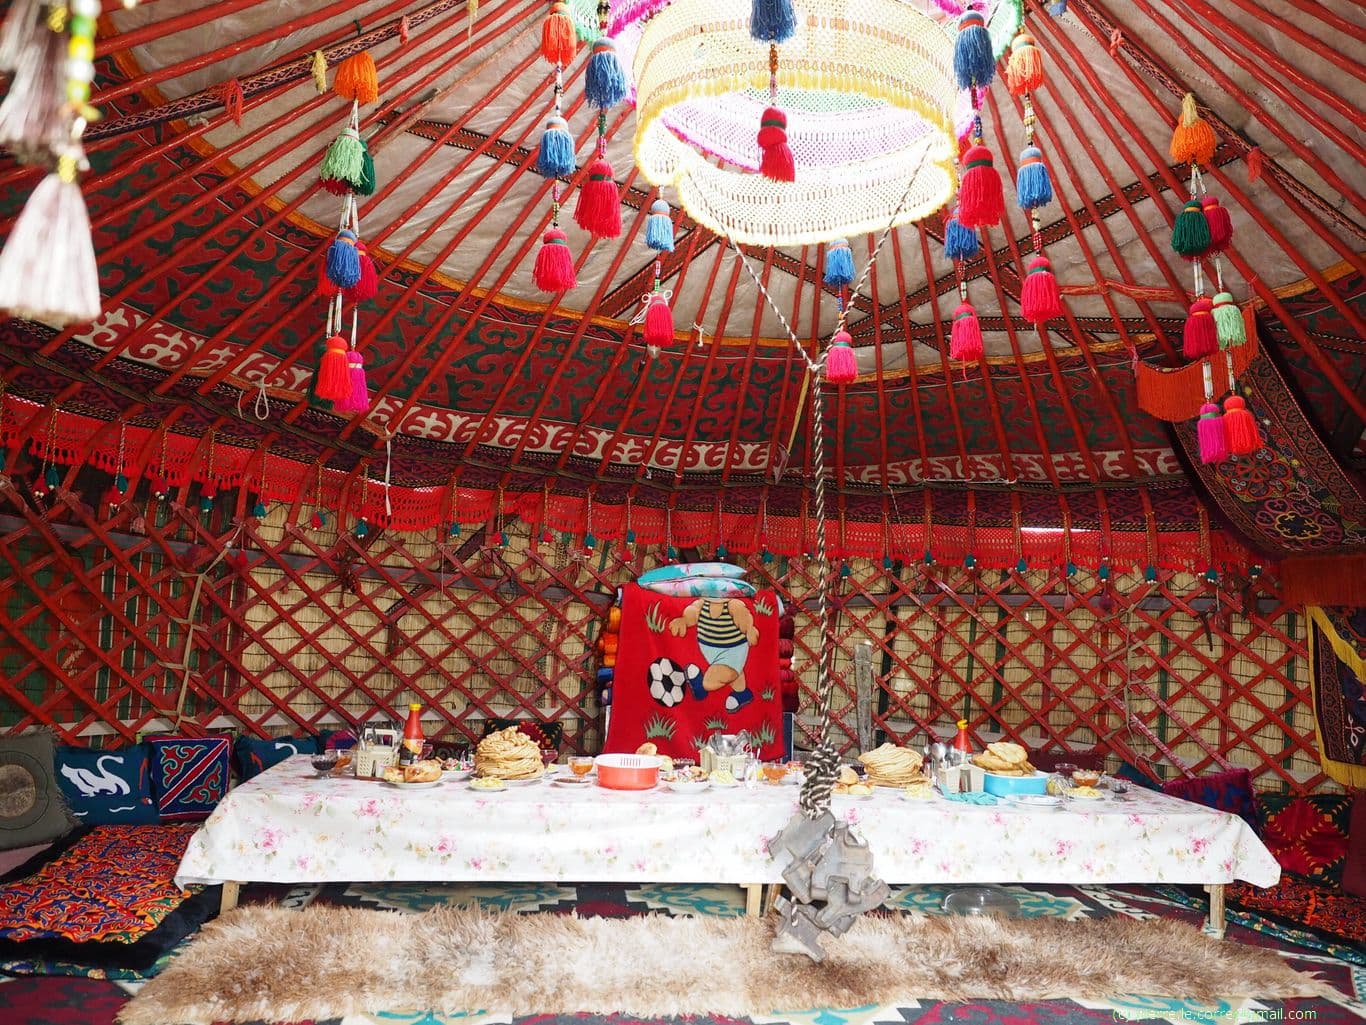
231, 891
1216, 924
754, 893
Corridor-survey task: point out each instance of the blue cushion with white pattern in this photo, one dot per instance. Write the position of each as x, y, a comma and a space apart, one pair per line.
107, 787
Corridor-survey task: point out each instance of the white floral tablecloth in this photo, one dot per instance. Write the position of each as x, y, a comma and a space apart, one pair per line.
286, 825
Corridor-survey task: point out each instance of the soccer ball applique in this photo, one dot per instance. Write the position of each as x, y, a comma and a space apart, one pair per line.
667, 680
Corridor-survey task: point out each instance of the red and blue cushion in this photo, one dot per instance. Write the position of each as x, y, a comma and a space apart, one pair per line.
1308, 835
107, 787
189, 776
1229, 791
254, 755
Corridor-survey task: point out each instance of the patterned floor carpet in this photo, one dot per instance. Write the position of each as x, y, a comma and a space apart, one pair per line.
81, 997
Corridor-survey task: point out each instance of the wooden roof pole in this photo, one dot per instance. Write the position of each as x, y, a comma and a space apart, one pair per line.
911, 363
794, 355
751, 354
194, 18
884, 466
1325, 366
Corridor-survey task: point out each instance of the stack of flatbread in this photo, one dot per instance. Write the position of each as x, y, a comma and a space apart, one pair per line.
892, 766
508, 754
1004, 759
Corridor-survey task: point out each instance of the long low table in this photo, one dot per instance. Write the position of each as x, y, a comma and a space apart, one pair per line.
288, 825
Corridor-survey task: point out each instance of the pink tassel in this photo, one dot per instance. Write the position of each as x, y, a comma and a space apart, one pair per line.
1220, 224
965, 337
554, 270
368, 285
776, 161
1240, 426
358, 398
1210, 433
598, 208
1200, 337
841, 365
659, 321
1040, 300
981, 197
334, 379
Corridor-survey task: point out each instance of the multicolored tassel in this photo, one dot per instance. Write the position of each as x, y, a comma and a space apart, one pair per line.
776, 161
343, 260
367, 285
1033, 187
555, 157
1193, 140
839, 264
965, 337
772, 21
659, 227
1210, 435
974, 64
344, 163
1190, 231
1220, 224
659, 320
960, 242
1040, 299
604, 82
357, 79
597, 209
334, 377
981, 198
1240, 427
841, 365
1228, 321
559, 40
554, 270
357, 399
1024, 70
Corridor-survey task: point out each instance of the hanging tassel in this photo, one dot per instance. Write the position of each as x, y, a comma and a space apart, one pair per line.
1024, 70
1220, 224
775, 161
1199, 338
1033, 188
357, 398
1058, 8
604, 83
965, 337
47, 268
325, 286
1193, 140
1040, 299
365, 185
34, 122
659, 320
334, 377
258, 511
659, 227
405, 27
839, 264
231, 95
555, 158
981, 198
1210, 434
772, 21
344, 161
318, 68
315, 400
1228, 321
367, 285
1190, 231
357, 79
1240, 427
841, 365
19, 32
597, 210
559, 40
973, 62
343, 260
554, 270
471, 13
960, 241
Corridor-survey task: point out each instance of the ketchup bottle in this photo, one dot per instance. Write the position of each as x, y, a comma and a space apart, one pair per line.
413, 741
963, 743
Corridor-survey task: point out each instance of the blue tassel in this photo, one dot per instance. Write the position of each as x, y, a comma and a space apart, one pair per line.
555, 158
1032, 185
604, 83
973, 61
960, 243
259, 510
772, 21
659, 228
343, 261
839, 264
1058, 9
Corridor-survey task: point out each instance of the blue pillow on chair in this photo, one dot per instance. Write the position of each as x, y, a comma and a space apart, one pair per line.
254, 755
189, 775
107, 787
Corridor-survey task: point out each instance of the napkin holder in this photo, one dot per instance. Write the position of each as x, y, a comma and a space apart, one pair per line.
376, 753
734, 764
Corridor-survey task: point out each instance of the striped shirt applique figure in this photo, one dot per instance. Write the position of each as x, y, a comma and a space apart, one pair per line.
725, 630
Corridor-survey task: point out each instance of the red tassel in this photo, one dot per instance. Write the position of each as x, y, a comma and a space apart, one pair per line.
1220, 224
659, 321
1040, 299
334, 377
231, 94
965, 337
336, 186
1210, 435
841, 365
554, 270
1200, 337
325, 287
368, 285
598, 207
981, 197
776, 161
404, 28
1254, 163
1244, 438
558, 38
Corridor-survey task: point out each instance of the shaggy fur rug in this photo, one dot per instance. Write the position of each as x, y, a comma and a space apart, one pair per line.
269, 964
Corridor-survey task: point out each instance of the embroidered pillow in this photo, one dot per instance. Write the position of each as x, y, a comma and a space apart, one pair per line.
254, 755
1308, 835
107, 787
1229, 791
1354, 867
189, 776
31, 808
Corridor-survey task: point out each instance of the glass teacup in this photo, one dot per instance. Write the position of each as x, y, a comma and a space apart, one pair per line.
580, 765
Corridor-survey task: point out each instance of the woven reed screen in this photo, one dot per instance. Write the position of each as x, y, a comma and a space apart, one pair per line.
102, 636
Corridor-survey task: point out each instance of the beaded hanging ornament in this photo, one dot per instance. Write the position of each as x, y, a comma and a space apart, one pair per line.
553, 271
597, 208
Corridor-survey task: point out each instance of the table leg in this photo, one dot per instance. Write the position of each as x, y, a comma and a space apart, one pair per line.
231, 891
1216, 924
771, 893
754, 895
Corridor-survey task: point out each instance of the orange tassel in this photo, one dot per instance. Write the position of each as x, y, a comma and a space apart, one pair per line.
1193, 140
357, 79
231, 94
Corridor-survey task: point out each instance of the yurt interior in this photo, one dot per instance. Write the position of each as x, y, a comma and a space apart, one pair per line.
737, 512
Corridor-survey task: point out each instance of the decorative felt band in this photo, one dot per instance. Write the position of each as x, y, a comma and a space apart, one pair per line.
981, 162
971, 18
774, 122
1036, 268
557, 241
599, 177
964, 315
1193, 204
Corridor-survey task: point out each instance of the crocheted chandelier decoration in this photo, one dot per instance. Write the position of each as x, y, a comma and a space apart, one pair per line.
868, 92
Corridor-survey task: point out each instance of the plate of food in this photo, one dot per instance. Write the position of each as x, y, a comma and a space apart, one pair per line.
1042, 802
571, 781
919, 792
687, 786
854, 791
723, 778
509, 755
411, 777
1085, 794
400, 785
487, 785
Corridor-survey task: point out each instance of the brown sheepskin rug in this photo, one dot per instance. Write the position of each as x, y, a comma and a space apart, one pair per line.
262, 963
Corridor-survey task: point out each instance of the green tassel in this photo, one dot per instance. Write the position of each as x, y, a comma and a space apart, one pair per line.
630, 537
362, 529
766, 557
887, 562
1022, 565
845, 571
259, 510
1150, 574
1228, 321
1190, 233
454, 530
1104, 571
969, 560
345, 159
672, 553
365, 184
721, 552
928, 560
1071, 569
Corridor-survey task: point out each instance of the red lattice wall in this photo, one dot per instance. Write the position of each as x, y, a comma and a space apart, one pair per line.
166, 613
